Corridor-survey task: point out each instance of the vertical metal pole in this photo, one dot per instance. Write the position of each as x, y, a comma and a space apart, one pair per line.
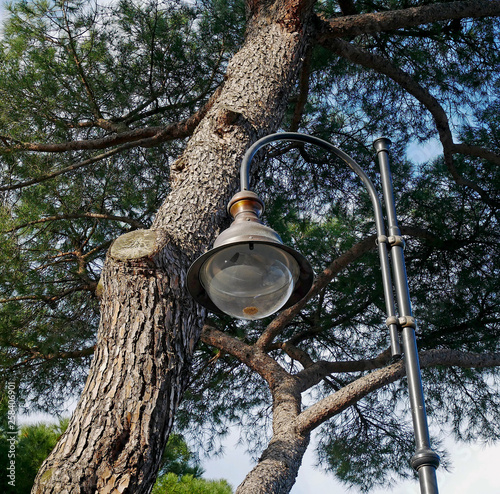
425, 461
390, 307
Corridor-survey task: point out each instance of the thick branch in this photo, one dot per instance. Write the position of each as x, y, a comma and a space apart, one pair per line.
457, 358
355, 391
314, 373
164, 135
103, 143
477, 152
296, 353
332, 405
85, 144
148, 137
395, 19
251, 356
384, 66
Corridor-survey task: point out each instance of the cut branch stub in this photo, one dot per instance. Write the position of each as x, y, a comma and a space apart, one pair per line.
138, 244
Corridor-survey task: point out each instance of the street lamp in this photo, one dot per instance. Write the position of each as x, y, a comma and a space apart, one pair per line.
250, 274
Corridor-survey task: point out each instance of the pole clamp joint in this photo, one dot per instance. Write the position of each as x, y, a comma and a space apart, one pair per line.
425, 457
407, 322
401, 322
391, 241
396, 241
391, 320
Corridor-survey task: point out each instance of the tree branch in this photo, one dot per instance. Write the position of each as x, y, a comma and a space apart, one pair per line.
347, 7
350, 394
70, 168
315, 331
53, 298
354, 25
85, 352
314, 373
36, 354
296, 353
334, 404
250, 355
354, 253
384, 66
92, 144
73, 54
477, 152
173, 131
136, 114
411, 231
457, 358
147, 137
111, 217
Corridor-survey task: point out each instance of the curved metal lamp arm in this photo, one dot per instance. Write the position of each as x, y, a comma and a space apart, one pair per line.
295, 136
245, 207
377, 207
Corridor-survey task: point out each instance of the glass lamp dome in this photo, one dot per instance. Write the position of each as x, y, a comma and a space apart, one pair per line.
248, 280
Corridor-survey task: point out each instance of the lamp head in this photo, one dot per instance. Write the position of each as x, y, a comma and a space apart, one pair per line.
249, 273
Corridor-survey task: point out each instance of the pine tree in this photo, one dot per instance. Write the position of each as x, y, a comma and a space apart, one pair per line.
122, 129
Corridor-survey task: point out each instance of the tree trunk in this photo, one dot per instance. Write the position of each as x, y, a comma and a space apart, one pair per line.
149, 324
277, 469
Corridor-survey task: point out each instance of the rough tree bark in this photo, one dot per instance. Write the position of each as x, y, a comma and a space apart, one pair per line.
279, 464
149, 325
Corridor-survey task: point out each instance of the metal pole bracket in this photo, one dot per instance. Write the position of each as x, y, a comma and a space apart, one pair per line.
407, 322
391, 241
381, 239
392, 320
401, 322
425, 457
396, 241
